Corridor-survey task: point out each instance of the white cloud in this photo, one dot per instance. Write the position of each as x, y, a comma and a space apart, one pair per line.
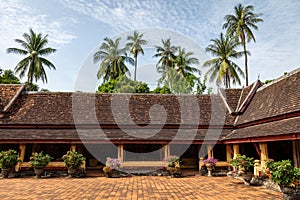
16, 18
277, 39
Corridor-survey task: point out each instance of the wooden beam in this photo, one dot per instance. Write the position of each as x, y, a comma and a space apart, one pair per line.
210, 152
167, 150
73, 147
258, 151
269, 138
263, 154
121, 152
228, 152
22, 149
296, 153
236, 150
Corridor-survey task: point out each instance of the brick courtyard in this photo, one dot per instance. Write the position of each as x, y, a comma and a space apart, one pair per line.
137, 187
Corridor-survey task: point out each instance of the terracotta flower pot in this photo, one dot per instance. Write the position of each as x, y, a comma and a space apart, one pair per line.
38, 172
5, 172
71, 172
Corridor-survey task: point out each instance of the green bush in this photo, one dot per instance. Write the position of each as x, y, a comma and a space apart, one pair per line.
39, 160
284, 173
73, 159
8, 159
242, 162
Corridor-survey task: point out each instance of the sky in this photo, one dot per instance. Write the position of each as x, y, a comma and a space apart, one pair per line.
76, 28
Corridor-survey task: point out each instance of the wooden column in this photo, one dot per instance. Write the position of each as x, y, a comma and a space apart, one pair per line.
121, 152
228, 152
236, 150
210, 152
22, 149
167, 150
263, 147
73, 147
296, 153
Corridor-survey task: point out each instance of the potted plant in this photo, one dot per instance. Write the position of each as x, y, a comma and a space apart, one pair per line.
73, 160
39, 161
243, 166
8, 159
112, 167
287, 177
210, 163
173, 165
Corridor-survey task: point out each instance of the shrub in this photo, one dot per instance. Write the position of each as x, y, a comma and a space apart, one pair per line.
284, 173
242, 162
39, 160
8, 159
73, 160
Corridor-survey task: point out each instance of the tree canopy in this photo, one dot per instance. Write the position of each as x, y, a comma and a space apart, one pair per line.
239, 26
222, 68
113, 60
34, 47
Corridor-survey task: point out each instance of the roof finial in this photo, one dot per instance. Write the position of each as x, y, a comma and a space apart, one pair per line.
258, 76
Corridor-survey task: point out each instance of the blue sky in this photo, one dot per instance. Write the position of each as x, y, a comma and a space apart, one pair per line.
77, 28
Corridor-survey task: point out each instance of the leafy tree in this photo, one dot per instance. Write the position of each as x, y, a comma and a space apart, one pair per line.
222, 68
240, 24
123, 85
31, 86
183, 62
166, 53
135, 46
44, 90
161, 90
34, 47
201, 87
112, 60
8, 77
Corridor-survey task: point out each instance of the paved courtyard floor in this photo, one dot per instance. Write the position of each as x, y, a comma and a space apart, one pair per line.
137, 187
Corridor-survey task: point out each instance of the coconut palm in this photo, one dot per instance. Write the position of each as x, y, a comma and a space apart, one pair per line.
222, 68
112, 60
183, 62
166, 54
167, 58
135, 46
240, 24
34, 47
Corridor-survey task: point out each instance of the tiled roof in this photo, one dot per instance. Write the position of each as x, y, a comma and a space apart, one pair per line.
275, 128
7, 93
277, 98
59, 108
108, 134
232, 98
274, 110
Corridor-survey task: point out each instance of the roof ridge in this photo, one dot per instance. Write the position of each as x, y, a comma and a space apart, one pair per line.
249, 97
14, 98
276, 80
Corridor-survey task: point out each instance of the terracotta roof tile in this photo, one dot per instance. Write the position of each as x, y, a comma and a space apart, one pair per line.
107, 134
280, 97
7, 93
59, 108
282, 127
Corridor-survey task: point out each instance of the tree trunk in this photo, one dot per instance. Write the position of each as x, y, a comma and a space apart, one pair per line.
246, 58
135, 67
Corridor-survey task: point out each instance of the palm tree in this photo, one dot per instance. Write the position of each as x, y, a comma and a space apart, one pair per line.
135, 46
240, 24
112, 60
222, 67
34, 47
184, 61
167, 58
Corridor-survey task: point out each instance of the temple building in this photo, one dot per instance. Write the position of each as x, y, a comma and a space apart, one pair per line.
260, 121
